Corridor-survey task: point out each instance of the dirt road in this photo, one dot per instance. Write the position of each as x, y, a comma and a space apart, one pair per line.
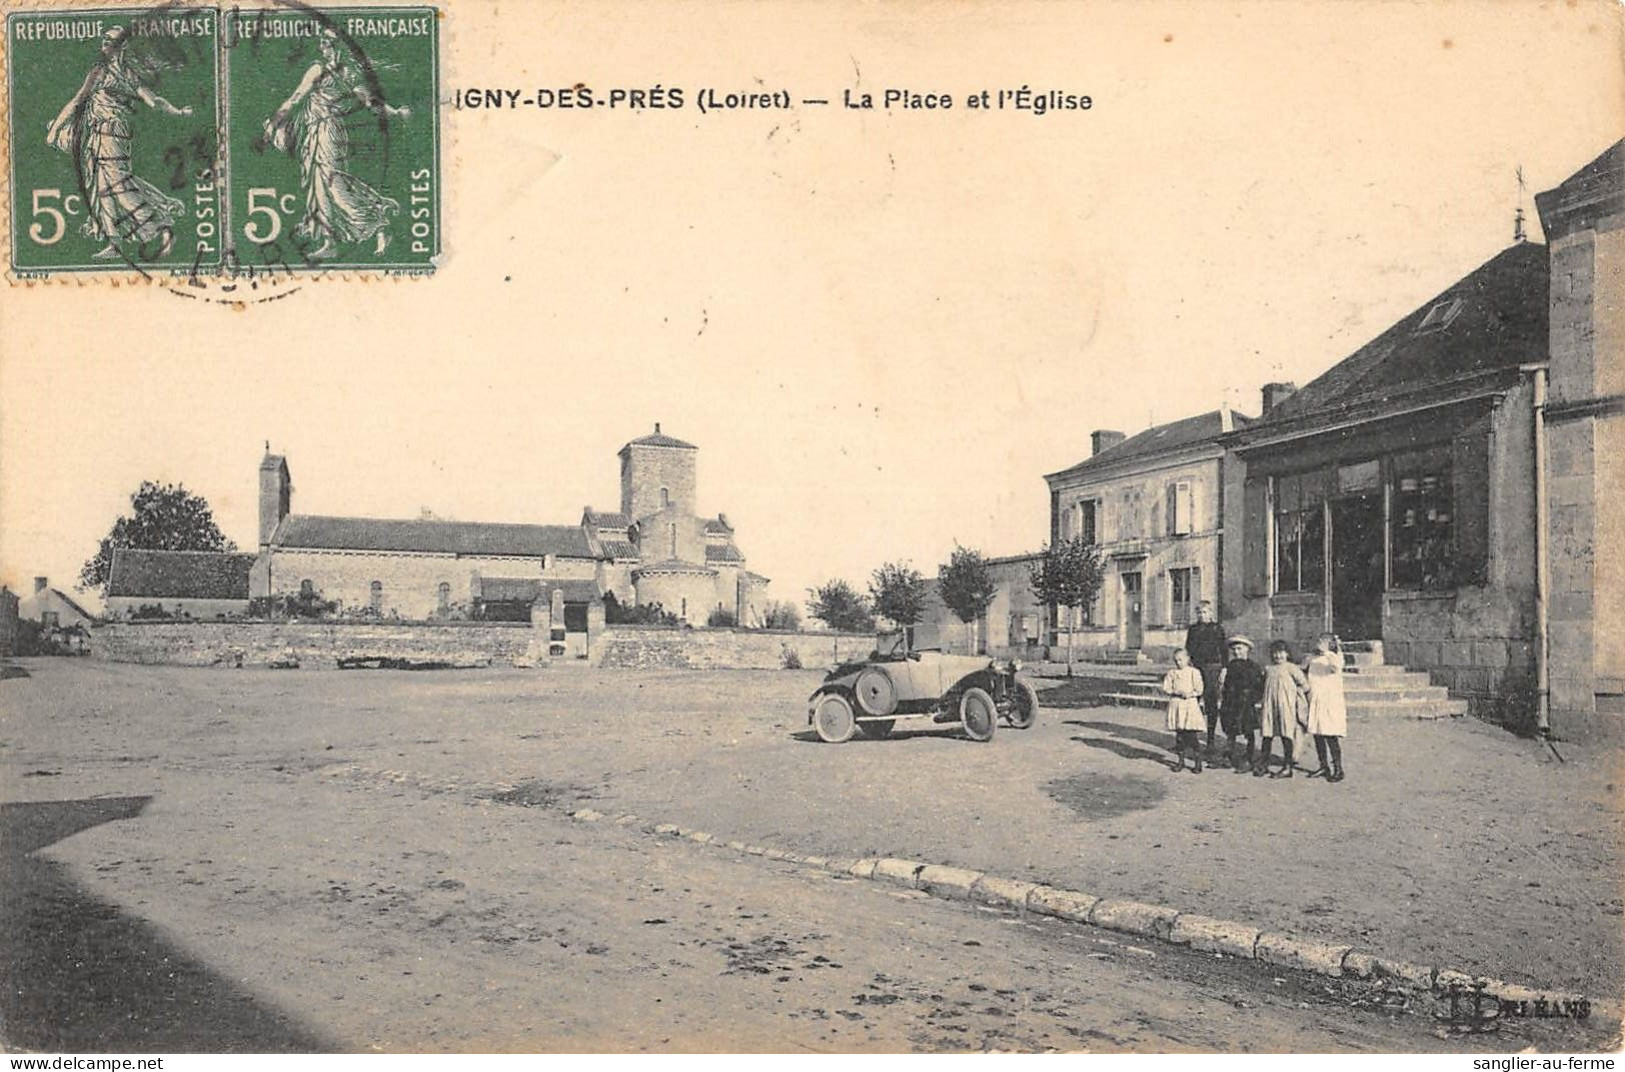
209, 860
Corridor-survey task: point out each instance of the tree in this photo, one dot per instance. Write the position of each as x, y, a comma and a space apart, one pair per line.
898, 593
165, 517
967, 586
781, 615
839, 606
1069, 574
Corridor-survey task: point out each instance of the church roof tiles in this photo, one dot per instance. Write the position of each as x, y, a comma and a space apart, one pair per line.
467, 538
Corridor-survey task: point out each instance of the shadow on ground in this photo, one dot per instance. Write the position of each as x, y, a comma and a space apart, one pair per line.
79, 974
1071, 693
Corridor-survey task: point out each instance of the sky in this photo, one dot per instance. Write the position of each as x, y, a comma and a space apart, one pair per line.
880, 328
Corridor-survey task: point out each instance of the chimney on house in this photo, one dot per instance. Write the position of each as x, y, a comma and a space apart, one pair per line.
1104, 440
1226, 421
1276, 393
40, 584
657, 428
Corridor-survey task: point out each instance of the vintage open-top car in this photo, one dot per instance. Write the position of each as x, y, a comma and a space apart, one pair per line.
896, 685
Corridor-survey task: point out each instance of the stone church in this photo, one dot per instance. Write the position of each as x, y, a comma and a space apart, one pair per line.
655, 550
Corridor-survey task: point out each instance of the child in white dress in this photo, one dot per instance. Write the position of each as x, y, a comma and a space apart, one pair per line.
1328, 715
1183, 684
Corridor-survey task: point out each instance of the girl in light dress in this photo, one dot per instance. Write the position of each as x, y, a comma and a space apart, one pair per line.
1328, 715
1183, 685
1284, 691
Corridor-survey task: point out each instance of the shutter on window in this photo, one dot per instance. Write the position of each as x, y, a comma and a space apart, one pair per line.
1156, 600
1198, 522
1470, 504
1255, 537
1183, 525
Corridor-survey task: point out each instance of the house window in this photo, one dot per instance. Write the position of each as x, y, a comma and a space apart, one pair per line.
377, 597
1086, 522
1300, 532
1180, 508
50, 619
1182, 588
665, 498
674, 539
1421, 521
1128, 524
307, 590
445, 596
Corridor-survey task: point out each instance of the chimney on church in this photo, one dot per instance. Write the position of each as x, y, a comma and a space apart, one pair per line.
1103, 439
1275, 394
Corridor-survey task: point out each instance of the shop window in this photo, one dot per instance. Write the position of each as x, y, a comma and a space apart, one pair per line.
1182, 596
1300, 532
1422, 523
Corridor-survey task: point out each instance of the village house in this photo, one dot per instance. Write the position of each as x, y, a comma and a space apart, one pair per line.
1011, 626
1393, 498
53, 608
1153, 504
180, 584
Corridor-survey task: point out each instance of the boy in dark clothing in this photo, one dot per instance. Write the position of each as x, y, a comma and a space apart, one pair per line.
1204, 643
1241, 688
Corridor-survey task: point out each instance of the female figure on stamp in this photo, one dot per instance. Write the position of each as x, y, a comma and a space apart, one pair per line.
311, 125
95, 124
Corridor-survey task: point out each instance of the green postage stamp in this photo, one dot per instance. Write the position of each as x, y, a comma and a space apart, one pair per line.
184, 140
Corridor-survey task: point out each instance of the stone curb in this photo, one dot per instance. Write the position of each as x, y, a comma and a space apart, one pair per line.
1197, 932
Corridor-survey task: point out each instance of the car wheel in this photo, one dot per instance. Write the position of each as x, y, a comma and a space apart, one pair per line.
876, 693
1025, 710
977, 712
878, 730
833, 720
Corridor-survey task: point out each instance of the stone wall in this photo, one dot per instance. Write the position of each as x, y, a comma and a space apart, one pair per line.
653, 648
312, 644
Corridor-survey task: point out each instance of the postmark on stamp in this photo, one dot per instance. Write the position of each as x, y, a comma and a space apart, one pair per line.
114, 117
332, 138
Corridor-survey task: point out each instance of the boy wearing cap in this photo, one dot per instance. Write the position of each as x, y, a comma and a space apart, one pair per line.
1241, 693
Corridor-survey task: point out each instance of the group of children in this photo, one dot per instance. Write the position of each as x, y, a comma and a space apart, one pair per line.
1280, 701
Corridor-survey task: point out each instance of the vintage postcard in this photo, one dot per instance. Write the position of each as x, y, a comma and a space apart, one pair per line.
1079, 526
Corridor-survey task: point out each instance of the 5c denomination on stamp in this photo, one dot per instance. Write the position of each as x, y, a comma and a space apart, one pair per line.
114, 149
333, 138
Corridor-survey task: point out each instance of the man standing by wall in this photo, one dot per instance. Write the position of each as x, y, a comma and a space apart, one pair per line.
1204, 643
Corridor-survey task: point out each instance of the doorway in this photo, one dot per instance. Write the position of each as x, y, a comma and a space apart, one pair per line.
1133, 613
1358, 576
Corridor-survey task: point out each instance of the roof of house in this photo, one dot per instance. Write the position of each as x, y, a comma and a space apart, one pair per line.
725, 552
1491, 320
717, 526
179, 574
1157, 440
530, 589
469, 538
